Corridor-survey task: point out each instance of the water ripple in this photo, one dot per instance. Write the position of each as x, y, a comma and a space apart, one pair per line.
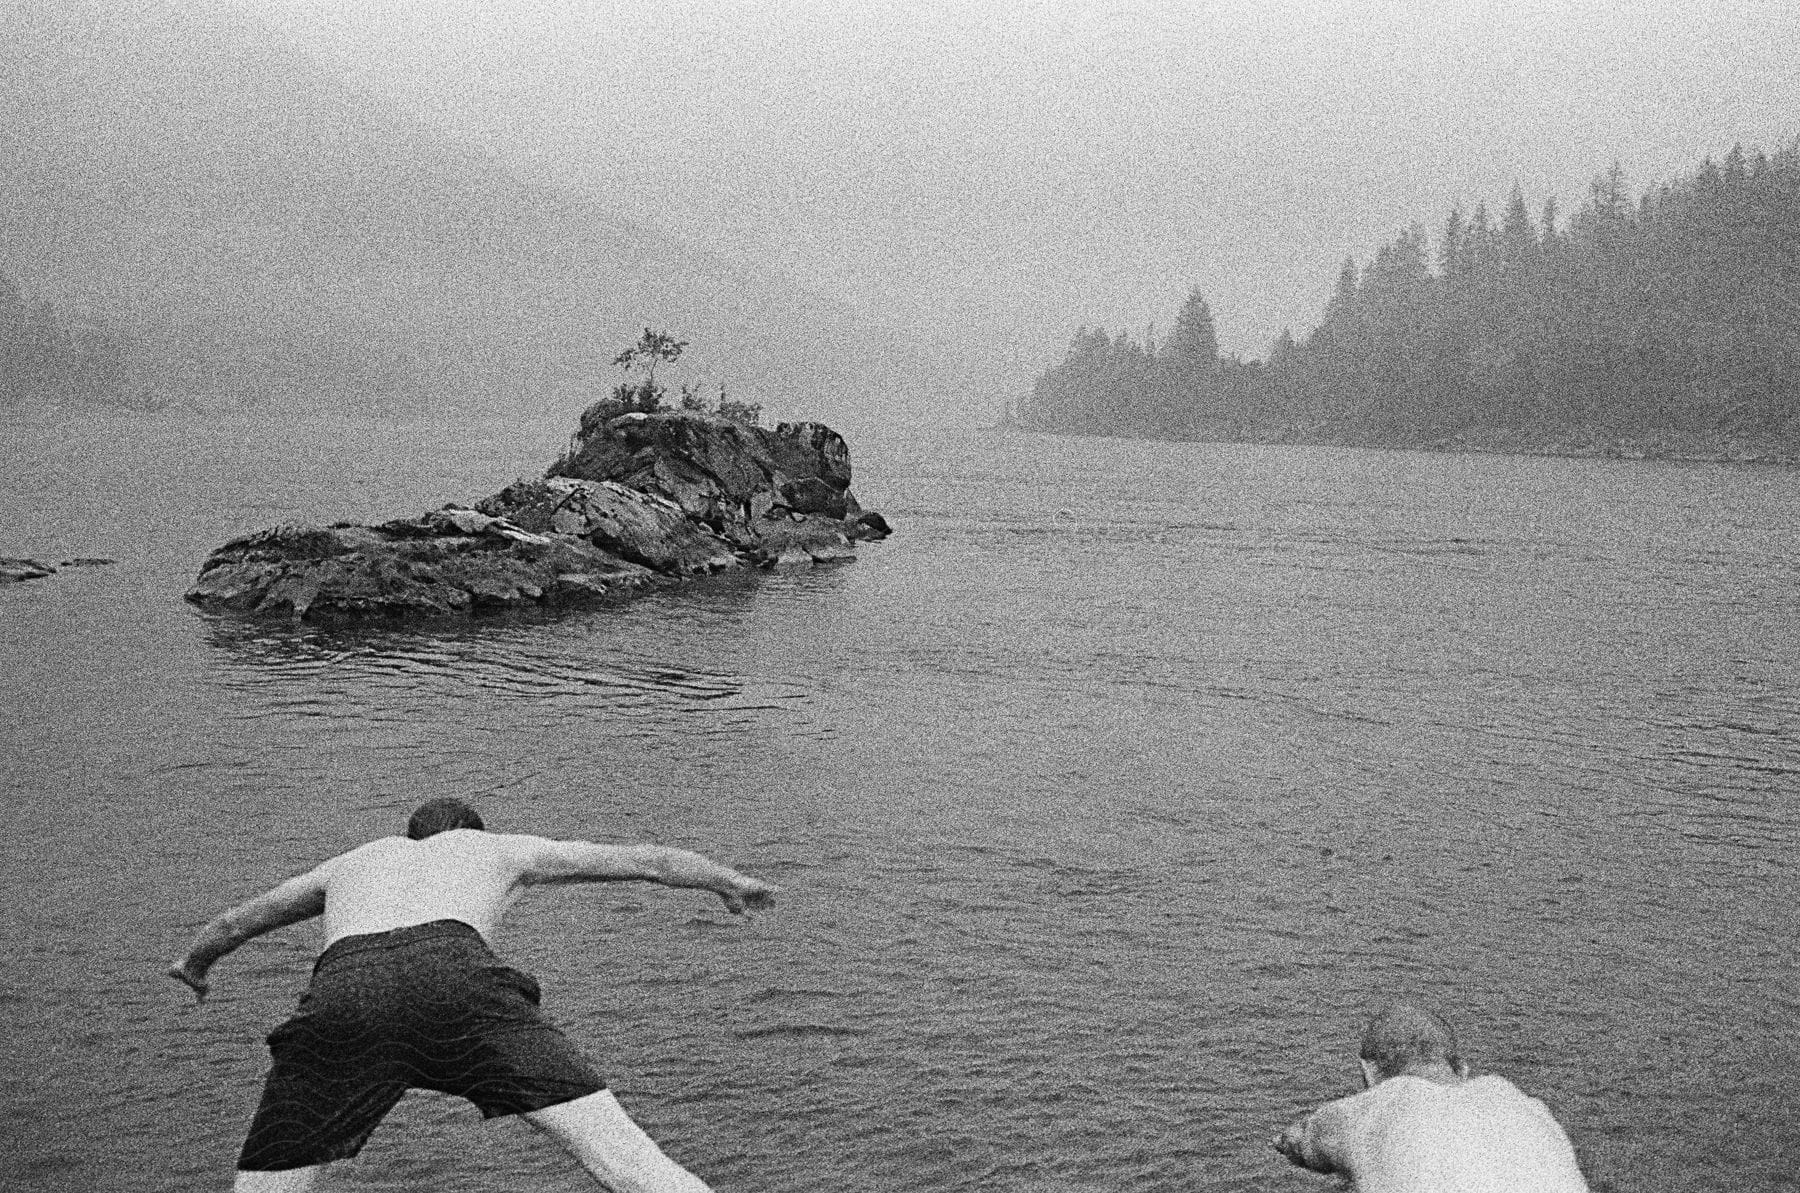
1106, 798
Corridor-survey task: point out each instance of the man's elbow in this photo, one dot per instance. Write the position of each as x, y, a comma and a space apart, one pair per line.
667, 865
283, 906
587, 862
242, 923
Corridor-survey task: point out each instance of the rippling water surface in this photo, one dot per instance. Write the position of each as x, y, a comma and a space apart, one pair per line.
1107, 797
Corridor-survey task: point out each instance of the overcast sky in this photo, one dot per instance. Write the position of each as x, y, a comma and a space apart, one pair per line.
993, 175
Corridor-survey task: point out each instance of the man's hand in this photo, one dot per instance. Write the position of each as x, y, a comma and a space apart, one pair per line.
747, 892
191, 976
1292, 1143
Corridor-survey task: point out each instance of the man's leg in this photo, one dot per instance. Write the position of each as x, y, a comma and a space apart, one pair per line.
290, 1180
614, 1150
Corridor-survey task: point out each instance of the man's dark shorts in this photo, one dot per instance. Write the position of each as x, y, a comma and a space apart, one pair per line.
425, 1007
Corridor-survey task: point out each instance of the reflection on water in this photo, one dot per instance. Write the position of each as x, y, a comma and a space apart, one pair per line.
1106, 798
289, 675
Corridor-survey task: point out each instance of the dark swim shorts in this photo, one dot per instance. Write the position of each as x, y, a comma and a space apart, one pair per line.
425, 1007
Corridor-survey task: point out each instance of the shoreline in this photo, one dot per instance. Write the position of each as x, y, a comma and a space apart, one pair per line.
1678, 447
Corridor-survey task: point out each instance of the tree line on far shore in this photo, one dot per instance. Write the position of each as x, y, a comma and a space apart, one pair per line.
49, 359
46, 358
1677, 313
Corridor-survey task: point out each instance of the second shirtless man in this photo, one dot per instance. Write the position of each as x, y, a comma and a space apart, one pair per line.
408, 995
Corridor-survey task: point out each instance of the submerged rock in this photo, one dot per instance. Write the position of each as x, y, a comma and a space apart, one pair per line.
639, 498
15, 570
12, 570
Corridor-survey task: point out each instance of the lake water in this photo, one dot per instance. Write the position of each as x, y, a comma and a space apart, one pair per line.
1107, 798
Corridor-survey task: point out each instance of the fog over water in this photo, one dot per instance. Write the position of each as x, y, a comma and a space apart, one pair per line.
990, 176
859, 212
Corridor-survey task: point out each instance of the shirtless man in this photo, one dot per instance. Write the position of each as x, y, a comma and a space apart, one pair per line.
407, 994
1423, 1125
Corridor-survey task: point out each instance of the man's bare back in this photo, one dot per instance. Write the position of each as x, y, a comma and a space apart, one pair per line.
1424, 1125
423, 910
461, 874
465, 874
475, 876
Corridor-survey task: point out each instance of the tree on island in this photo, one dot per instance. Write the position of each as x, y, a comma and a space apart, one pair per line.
645, 396
653, 348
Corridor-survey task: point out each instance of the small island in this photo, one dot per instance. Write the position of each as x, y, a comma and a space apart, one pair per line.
643, 497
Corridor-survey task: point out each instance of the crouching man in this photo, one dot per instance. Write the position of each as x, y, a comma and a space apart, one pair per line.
408, 995
1423, 1125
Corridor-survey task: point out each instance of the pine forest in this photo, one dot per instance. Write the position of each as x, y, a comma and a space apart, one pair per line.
1668, 324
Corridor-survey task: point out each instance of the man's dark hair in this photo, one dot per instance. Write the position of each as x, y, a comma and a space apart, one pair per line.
442, 815
1405, 1035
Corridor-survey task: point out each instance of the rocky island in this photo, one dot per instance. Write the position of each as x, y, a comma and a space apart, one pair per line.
640, 499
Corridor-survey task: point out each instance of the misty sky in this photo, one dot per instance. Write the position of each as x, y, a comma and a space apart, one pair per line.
993, 176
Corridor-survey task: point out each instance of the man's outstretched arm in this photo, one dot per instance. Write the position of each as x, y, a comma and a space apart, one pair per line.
296, 899
546, 861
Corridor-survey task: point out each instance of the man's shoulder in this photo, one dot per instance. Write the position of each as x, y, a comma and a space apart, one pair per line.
460, 840
1498, 1094
1345, 1114
1401, 1087
1493, 1087
524, 852
1492, 1081
512, 844
1410, 1087
368, 849
377, 845
1406, 1096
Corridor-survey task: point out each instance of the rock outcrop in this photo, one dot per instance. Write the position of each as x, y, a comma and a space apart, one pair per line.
723, 473
639, 499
